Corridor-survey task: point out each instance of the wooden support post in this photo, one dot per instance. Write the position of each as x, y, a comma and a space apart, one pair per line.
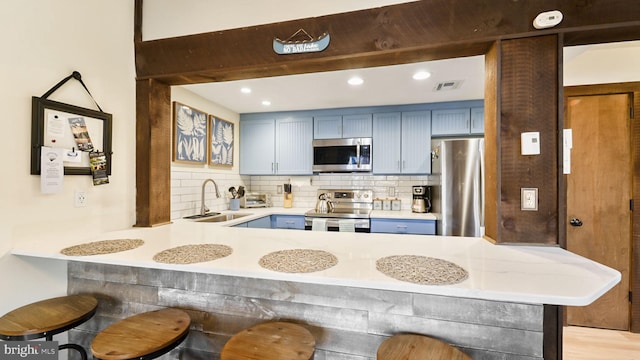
522, 95
153, 153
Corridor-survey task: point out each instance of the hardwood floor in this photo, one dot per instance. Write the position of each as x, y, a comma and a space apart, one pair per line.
581, 343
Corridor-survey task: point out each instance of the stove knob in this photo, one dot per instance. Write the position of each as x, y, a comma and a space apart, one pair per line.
366, 195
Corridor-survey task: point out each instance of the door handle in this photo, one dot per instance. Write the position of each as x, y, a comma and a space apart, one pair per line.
575, 222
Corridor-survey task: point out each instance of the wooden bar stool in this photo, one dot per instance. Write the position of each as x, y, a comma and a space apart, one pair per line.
49, 317
270, 341
143, 336
415, 347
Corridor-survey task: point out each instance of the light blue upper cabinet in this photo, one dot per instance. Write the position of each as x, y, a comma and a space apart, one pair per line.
338, 126
280, 146
450, 122
386, 152
355, 126
281, 143
477, 120
327, 127
257, 144
402, 142
294, 146
416, 142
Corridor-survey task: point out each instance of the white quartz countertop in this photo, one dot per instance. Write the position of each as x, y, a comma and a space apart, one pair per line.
527, 274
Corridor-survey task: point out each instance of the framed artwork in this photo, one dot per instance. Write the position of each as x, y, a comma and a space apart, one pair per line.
189, 134
78, 131
221, 142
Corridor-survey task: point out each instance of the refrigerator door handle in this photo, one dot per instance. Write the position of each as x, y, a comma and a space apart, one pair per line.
481, 151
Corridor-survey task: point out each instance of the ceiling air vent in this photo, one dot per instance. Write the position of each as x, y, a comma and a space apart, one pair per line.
447, 85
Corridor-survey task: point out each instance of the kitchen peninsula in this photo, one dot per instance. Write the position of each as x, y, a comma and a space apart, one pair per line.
497, 312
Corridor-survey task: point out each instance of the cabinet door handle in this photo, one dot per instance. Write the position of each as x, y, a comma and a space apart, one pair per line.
575, 222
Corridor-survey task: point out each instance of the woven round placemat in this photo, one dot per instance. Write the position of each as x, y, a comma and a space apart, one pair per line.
298, 261
102, 247
421, 270
189, 254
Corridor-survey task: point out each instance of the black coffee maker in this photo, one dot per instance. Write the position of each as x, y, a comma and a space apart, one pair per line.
421, 199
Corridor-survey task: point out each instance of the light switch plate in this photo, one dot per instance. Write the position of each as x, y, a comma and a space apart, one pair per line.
529, 199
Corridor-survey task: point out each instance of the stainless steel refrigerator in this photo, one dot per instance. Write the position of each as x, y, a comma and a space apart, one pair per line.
459, 199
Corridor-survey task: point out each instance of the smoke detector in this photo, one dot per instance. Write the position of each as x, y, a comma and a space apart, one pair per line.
547, 19
448, 85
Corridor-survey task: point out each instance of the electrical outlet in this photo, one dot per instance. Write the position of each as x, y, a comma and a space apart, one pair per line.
529, 199
80, 199
392, 191
279, 189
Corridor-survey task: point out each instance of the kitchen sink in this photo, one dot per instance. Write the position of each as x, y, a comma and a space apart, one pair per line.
222, 217
200, 216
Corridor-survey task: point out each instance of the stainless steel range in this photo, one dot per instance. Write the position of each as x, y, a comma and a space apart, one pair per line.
350, 207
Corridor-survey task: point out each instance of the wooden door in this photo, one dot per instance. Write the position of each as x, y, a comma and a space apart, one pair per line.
598, 198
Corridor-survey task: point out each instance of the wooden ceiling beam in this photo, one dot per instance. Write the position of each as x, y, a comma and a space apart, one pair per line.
397, 34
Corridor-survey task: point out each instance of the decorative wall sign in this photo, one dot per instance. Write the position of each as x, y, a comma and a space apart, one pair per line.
310, 44
75, 130
189, 134
221, 142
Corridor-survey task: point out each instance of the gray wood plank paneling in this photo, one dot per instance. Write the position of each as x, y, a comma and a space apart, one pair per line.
335, 317
347, 323
475, 336
476, 311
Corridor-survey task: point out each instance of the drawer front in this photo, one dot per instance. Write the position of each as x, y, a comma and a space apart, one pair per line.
400, 226
288, 222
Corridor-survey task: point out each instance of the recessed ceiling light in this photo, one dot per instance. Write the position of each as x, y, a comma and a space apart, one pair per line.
421, 75
245, 90
266, 102
355, 81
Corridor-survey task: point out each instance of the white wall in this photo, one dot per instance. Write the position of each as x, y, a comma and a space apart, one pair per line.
186, 180
43, 41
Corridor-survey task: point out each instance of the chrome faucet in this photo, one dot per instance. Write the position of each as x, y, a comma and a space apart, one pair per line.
203, 207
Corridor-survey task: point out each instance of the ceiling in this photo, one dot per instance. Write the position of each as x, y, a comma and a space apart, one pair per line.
389, 85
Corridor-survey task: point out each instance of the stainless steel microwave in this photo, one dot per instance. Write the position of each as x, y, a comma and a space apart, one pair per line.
342, 155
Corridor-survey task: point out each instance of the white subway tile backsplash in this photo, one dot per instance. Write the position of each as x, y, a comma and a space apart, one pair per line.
186, 187
178, 175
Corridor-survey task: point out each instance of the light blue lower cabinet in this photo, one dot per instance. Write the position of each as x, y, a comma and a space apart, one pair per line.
403, 226
261, 223
287, 222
